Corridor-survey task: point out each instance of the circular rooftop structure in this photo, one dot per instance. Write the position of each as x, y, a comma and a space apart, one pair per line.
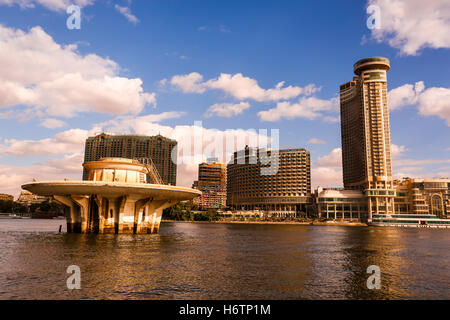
371, 63
112, 189
115, 199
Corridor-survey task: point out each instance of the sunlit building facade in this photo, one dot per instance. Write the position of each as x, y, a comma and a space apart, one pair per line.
423, 196
365, 132
27, 198
212, 177
6, 197
340, 204
145, 149
284, 190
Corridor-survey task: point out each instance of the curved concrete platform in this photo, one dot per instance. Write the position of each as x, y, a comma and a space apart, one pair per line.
156, 191
112, 207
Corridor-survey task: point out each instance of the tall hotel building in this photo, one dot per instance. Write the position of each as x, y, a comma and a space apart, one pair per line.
212, 181
145, 149
365, 131
284, 192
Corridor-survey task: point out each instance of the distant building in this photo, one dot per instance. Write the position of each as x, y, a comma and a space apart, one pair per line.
286, 191
423, 196
6, 197
27, 198
145, 149
365, 132
340, 204
211, 181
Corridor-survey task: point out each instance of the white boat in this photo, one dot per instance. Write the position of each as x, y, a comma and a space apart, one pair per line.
409, 220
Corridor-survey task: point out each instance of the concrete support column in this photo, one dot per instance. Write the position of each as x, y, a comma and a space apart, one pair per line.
111, 205
140, 214
101, 204
83, 203
127, 214
74, 217
153, 215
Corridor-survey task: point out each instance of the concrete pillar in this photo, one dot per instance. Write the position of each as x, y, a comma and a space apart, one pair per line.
153, 215
101, 204
139, 214
127, 214
83, 203
74, 217
112, 205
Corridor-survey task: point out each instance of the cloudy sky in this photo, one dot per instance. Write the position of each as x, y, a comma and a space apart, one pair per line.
235, 67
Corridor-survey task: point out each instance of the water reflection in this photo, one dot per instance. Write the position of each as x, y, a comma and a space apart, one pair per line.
220, 261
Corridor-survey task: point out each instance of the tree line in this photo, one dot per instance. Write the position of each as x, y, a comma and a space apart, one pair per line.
17, 207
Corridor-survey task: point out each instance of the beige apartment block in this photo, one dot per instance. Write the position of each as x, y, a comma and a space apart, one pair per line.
283, 191
212, 182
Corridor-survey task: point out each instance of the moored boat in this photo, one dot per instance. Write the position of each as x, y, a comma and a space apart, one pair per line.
409, 220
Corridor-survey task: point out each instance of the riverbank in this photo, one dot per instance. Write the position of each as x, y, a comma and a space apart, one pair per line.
313, 223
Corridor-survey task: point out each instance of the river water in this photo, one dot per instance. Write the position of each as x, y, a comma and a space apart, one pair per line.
223, 261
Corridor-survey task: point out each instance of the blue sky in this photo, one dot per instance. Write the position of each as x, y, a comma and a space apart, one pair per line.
176, 60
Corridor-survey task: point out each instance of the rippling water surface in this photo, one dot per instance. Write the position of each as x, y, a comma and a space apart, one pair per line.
223, 261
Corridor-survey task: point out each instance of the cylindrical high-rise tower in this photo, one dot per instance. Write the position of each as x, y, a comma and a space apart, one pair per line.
365, 131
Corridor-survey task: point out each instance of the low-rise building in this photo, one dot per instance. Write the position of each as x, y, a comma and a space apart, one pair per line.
6, 197
341, 204
423, 196
411, 196
27, 198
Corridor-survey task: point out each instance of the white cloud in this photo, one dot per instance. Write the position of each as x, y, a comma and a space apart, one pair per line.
405, 95
69, 141
126, 12
306, 107
435, 102
242, 88
330, 119
227, 110
422, 173
411, 25
416, 162
327, 170
54, 5
430, 102
316, 141
189, 83
52, 123
332, 160
397, 151
325, 177
239, 87
69, 166
57, 80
